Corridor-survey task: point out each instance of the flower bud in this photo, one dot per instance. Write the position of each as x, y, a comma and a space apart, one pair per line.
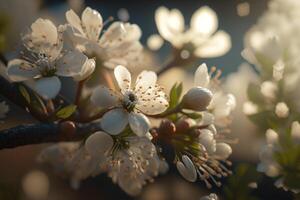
184, 125
167, 127
223, 150
197, 98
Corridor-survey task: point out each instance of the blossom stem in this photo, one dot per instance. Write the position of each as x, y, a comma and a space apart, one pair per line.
174, 61
168, 112
80, 87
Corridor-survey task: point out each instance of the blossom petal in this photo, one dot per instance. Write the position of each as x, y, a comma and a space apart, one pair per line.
223, 150
139, 123
202, 77
43, 31
145, 80
154, 106
21, 70
47, 87
123, 78
187, 169
98, 143
217, 45
204, 21
74, 20
104, 97
92, 23
114, 121
170, 23
87, 69
71, 64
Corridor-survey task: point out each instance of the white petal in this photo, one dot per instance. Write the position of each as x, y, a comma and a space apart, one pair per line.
71, 63
92, 23
206, 138
139, 123
170, 23
21, 70
104, 97
145, 80
87, 69
74, 20
295, 131
271, 136
204, 21
47, 87
43, 31
223, 150
201, 77
123, 78
98, 143
187, 169
114, 121
155, 106
217, 45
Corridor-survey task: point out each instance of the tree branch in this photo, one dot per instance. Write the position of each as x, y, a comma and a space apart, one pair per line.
45, 132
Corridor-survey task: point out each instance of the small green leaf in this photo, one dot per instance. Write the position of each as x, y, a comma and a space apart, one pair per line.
175, 94
24, 93
66, 112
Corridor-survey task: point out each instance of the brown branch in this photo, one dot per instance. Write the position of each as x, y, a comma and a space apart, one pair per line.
45, 132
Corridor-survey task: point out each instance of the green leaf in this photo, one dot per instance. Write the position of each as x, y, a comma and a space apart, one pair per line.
175, 94
24, 93
66, 112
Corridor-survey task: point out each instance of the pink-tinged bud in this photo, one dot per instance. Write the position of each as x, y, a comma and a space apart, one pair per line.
197, 98
167, 127
183, 125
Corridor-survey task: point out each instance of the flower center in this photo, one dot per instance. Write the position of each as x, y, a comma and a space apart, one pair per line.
130, 100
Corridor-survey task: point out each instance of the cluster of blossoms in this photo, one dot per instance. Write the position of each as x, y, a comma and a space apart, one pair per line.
123, 143
272, 45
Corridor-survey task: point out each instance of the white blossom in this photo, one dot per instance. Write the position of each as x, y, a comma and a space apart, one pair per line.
130, 104
222, 103
202, 33
46, 60
282, 110
118, 45
131, 168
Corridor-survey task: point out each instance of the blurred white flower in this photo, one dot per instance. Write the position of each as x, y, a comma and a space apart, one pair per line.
46, 60
295, 132
282, 110
250, 108
210, 197
36, 185
202, 34
118, 45
155, 42
130, 104
268, 89
131, 168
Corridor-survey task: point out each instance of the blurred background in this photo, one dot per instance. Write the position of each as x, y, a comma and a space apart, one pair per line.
22, 178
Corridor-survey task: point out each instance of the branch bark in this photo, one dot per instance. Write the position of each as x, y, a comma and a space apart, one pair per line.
45, 133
